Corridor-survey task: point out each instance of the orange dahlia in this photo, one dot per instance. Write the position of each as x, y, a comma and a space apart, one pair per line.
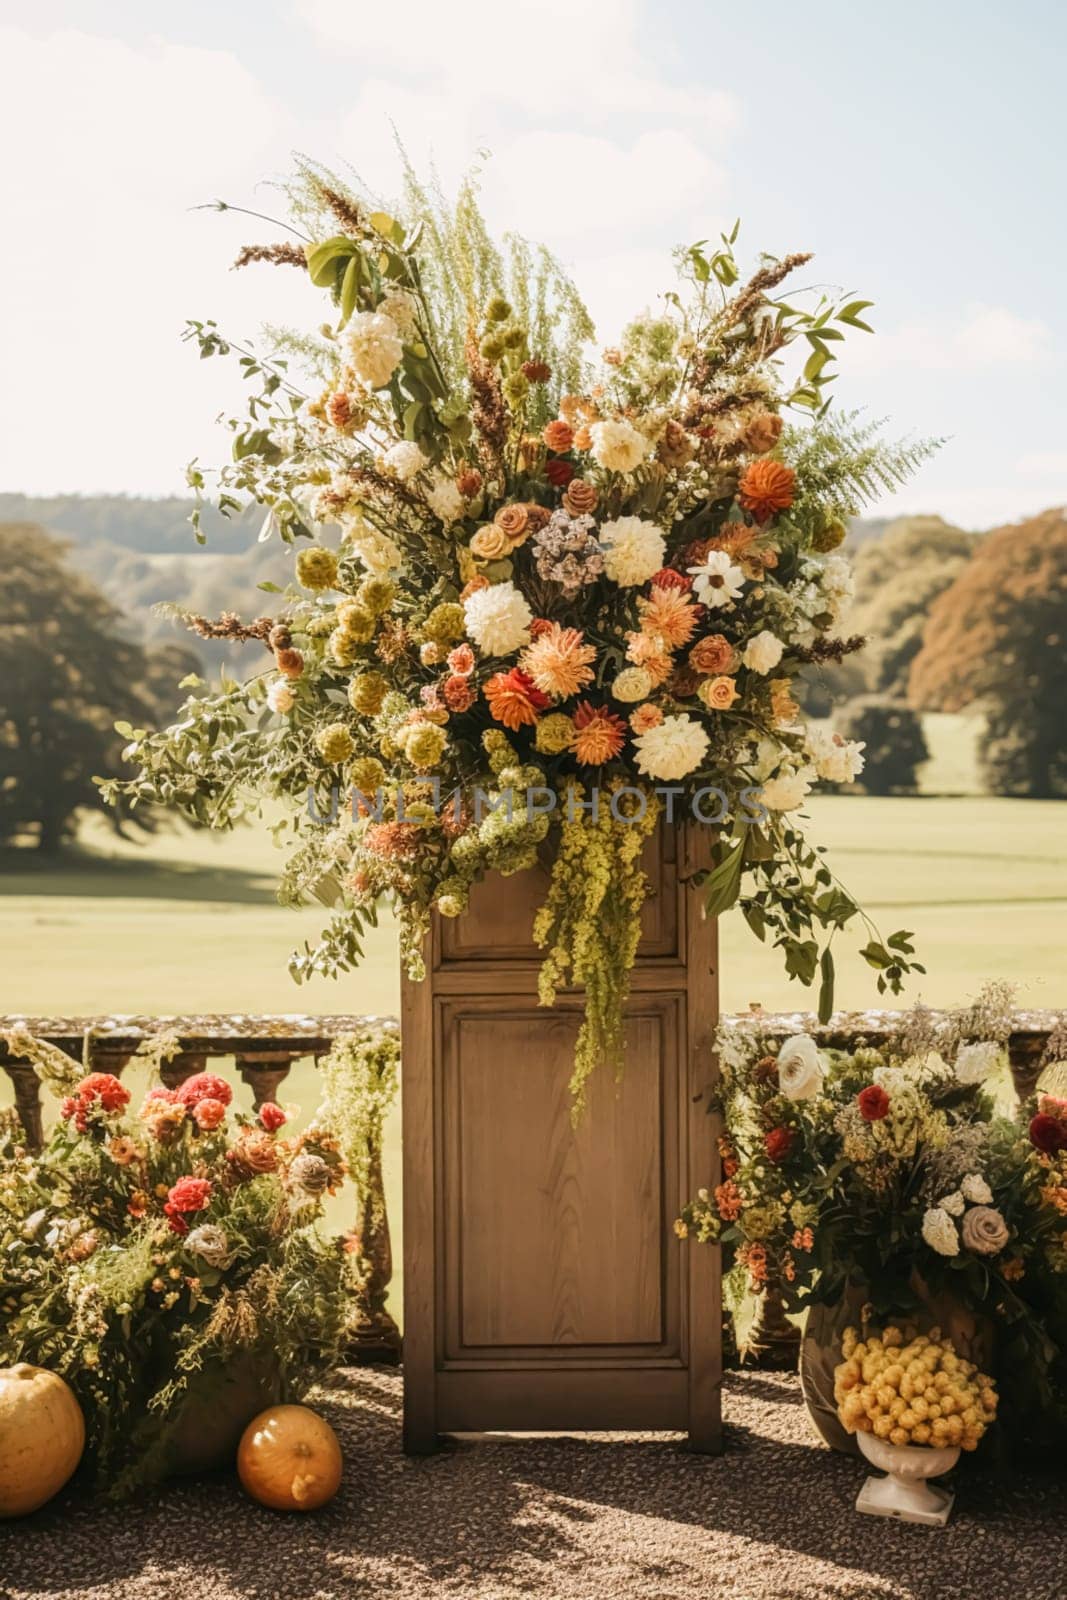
514, 699
766, 487
558, 436
649, 651
599, 734
558, 661
669, 613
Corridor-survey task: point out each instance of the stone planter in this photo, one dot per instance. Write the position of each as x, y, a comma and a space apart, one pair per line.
543, 1284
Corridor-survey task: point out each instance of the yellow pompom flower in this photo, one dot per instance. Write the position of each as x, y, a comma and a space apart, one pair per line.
316, 568
366, 692
334, 743
423, 744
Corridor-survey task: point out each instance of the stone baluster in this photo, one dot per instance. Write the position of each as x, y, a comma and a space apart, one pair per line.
264, 1071
772, 1342
27, 1101
174, 1072
374, 1335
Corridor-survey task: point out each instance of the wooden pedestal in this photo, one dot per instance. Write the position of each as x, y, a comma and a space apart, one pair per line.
544, 1288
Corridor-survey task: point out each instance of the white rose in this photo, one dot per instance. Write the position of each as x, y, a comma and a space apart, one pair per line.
939, 1231
617, 445
800, 1068
763, 652
975, 1062
633, 550
405, 459
975, 1189
633, 683
374, 347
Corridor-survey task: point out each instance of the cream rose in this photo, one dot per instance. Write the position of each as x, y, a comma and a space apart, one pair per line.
984, 1231
800, 1068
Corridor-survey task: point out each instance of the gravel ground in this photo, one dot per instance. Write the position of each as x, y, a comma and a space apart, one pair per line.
579, 1518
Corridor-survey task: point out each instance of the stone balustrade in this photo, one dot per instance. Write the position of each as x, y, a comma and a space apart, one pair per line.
264, 1049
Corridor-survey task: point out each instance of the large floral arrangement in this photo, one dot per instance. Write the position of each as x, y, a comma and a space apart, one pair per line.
537, 604
887, 1175
144, 1248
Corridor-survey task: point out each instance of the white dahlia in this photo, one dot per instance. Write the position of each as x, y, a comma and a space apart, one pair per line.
836, 759
498, 619
445, 500
617, 445
975, 1062
633, 550
672, 750
788, 790
405, 459
374, 347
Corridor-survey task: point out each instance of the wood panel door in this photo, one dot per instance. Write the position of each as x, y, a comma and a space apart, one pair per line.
544, 1287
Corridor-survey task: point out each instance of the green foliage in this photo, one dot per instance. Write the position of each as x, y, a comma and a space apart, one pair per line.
898, 577
842, 465
997, 638
68, 670
895, 743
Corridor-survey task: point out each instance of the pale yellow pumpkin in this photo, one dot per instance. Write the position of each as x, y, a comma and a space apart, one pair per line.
42, 1436
289, 1459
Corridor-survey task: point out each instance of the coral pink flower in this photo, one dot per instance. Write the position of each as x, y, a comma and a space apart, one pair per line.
209, 1114
203, 1086
272, 1116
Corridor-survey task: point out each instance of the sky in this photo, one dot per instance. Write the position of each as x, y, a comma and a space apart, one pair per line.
916, 148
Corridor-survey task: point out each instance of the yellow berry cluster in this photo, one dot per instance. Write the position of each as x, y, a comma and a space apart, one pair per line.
915, 1392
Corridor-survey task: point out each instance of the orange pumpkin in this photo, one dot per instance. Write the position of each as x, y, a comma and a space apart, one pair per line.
42, 1436
289, 1459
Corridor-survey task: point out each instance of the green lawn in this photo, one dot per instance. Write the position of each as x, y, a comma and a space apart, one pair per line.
188, 923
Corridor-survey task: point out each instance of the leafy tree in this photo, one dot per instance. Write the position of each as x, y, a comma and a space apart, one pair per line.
896, 744
998, 639
898, 577
68, 671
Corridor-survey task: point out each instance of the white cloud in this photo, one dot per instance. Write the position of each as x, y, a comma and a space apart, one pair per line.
108, 147
985, 336
1043, 464
555, 57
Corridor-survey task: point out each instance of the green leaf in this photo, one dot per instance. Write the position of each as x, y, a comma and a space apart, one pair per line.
826, 987
724, 882
324, 259
350, 287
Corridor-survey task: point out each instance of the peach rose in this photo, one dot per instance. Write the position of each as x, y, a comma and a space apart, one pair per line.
718, 694
513, 521
490, 543
713, 655
580, 498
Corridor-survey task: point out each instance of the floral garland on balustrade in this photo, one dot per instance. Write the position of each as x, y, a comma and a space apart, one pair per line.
141, 1247
888, 1169
519, 575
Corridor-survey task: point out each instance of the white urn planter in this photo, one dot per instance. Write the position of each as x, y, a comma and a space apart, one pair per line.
905, 1492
